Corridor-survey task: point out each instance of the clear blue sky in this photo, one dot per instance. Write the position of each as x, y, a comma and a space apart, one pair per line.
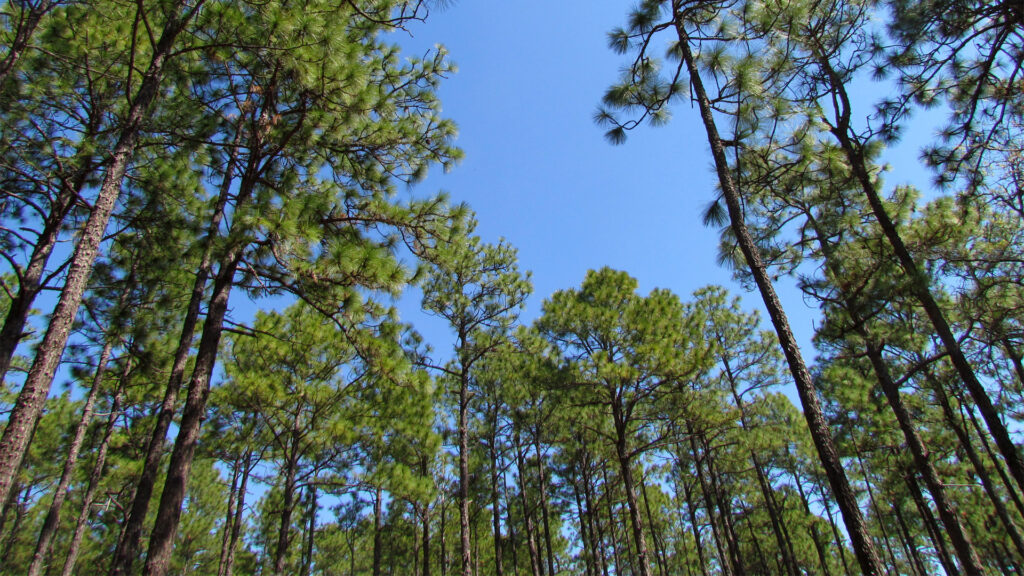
539, 172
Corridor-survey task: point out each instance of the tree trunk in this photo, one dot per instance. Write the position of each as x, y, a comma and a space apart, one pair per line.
979, 467
311, 508
535, 562
929, 521
815, 535
709, 505
543, 483
52, 520
873, 502
495, 500
629, 487
28, 407
691, 511
131, 534
378, 532
816, 423
30, 282
467, 559
26, 27
919, 282
909, 542
762, 482
921, 455
94, 478
284, 529
236, 526
175, 485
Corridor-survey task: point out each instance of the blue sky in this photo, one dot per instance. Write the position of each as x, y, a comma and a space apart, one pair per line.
539, 172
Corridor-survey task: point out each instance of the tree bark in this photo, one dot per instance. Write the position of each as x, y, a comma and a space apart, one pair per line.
629, 487
52, 519
131, 534
816, 423
919, 282
921, 455
176, 483
28, 407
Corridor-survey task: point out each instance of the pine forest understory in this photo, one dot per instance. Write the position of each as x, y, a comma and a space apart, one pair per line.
166, 163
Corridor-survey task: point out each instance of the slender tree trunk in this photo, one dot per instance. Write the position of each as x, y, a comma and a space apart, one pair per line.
691, 510
919, 282
815, 535
499, 569
95, 476
921, 455
131, 534
979, 467
929, 521
766, 489
586, 540
425, 539
312, 505
837, 538
52, 520
658, 552
996, 462
908, 539
616, 556
229, 516
31, 13
378, 531
14, 536
873, 502
629, 487
535, 561
28, 407
545, 516
443, 552
284, 529
236, 526
30, 282
467, 558
176, 482
816, 423
593, 516
709, 506
724, 511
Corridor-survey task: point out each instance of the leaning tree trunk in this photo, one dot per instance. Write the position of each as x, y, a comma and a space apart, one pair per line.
131, 533
95, 476
919, 282
176, 483
948, 514
26, 27
52, 519
816, 423
28, 407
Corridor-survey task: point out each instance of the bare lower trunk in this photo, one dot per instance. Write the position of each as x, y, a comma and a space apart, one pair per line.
236, 526
816, 423
629, 487
28, 407
378, 531
176, 483
94, 479
466, 551
52, 519
131, 533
